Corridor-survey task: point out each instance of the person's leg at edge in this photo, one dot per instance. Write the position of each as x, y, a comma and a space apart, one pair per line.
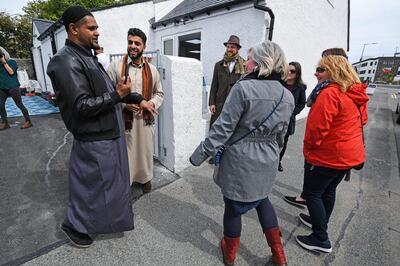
3, 113
269, 224
232, 229
15, 94
286, 139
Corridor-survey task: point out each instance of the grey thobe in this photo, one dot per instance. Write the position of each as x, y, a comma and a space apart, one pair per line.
99, 191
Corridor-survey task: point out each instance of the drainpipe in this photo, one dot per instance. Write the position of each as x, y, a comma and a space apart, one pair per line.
271, 15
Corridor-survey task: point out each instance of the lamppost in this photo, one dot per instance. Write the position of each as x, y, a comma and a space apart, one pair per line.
365, 44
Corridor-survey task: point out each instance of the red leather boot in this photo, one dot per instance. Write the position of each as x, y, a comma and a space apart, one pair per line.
229, 248
273, 236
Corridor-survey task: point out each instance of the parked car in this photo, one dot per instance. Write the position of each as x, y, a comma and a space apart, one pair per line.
371, 89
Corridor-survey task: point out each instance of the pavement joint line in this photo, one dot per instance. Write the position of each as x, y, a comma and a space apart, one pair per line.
36, 254
392, 229
48, 169
332, 256
394, 193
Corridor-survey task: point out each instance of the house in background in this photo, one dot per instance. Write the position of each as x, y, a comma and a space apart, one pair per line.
198, 29
39, 51
385, 69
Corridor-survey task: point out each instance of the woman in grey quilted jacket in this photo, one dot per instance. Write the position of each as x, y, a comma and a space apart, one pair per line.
260, 104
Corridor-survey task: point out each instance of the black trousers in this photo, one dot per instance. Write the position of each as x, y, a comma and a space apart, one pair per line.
284, 147
15, 94
319, 191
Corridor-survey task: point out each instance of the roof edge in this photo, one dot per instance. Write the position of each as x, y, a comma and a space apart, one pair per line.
191, 15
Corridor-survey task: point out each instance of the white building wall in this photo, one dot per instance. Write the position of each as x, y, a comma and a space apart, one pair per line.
47, 54
367, 69
37, 62
305, 28
60, 37
215, 30
302, 28
114, 24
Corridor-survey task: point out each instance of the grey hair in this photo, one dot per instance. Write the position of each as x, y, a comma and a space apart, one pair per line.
6, 54
270, 58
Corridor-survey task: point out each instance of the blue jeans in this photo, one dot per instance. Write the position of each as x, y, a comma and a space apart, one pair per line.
319, 191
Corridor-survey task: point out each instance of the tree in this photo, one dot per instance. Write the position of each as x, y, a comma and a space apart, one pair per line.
16, 31
53, 9
16, 34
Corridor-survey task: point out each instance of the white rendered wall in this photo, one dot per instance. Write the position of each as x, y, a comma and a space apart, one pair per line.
368, 67
243, 21
182, 125
305, 28
37, 63
302, 28
60, 37
114, 24
47, 54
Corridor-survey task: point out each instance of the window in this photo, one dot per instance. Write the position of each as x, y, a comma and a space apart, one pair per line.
190, 45
369, 71
371, 63
364, 64
376, 63
362, 72
168, 47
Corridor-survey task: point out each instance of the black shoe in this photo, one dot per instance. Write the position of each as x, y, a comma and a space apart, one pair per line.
280, 168
313, 244
298, 203
77, 239
305, 219
146, 187
211, 161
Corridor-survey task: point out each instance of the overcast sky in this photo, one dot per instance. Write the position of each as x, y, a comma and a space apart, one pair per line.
372, 21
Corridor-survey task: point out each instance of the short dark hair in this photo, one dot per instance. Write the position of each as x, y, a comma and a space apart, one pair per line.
139, 33
334, 51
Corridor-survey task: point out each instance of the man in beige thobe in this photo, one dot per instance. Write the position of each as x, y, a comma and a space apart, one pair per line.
140, 137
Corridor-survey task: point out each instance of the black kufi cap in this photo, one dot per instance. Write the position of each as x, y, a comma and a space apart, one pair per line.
73, 14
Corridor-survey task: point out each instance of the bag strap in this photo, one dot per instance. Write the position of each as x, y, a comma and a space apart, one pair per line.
262, 122
362, 126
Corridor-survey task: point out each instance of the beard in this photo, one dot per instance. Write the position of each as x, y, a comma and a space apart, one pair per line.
137, 56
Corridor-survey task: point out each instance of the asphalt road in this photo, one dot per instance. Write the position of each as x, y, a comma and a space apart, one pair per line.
181, 223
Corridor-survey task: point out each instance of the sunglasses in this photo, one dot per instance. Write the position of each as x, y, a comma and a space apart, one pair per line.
320, 70
292, 71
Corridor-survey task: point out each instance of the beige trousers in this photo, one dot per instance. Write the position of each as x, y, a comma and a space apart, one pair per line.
139, 141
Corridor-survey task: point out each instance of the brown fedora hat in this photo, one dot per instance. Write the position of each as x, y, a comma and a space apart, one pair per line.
234, 40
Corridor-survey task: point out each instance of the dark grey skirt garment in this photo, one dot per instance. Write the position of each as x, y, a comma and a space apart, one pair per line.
99, 194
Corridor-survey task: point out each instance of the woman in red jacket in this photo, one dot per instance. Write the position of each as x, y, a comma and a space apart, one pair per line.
333, 143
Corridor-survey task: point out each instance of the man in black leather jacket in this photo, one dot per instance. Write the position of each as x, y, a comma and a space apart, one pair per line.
100, 198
